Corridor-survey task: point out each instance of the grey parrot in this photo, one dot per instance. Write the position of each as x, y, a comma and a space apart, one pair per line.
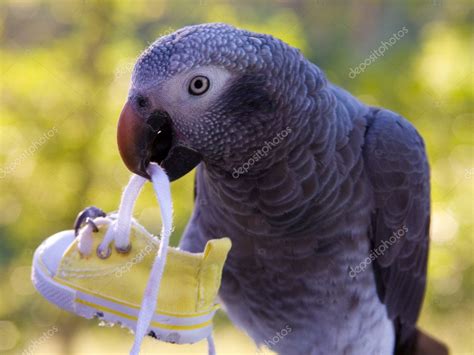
326, 199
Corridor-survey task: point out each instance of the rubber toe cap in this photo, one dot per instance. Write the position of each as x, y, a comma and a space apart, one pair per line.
52, 249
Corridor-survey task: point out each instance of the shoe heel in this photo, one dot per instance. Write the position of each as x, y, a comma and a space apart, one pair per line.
210, 272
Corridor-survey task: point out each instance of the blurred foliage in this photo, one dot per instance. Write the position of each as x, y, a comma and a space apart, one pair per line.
65, 69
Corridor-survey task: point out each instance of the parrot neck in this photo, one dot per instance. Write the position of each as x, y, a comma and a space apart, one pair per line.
297, 184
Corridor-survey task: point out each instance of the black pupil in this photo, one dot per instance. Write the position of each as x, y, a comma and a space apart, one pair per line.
198, 84
141, 101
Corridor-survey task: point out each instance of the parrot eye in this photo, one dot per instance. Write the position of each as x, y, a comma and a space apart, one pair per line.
142, 102
198, 85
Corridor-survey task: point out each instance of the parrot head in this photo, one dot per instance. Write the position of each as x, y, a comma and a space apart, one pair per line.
209, 93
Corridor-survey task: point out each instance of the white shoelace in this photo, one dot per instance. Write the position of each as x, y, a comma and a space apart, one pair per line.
119, 233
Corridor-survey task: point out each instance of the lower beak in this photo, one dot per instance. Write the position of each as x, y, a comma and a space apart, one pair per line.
141, 141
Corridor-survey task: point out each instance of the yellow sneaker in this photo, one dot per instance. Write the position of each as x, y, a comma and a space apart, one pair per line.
98, 278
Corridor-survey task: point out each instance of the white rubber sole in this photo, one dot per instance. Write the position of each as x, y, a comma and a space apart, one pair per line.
180, 330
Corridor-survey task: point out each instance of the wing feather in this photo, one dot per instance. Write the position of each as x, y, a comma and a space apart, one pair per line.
395, 158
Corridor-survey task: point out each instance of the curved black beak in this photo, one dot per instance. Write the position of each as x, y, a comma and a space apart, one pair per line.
141, 141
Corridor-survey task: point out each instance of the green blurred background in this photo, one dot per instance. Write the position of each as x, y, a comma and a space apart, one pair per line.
65, 68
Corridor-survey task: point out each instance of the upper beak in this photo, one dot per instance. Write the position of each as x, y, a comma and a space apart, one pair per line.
144, 140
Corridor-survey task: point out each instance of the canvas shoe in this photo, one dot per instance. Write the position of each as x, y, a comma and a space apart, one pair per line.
80, 275
111, 288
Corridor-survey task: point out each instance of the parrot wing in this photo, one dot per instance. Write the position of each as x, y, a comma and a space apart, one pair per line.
397, 166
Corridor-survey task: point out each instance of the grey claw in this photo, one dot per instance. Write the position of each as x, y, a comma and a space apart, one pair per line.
86, 216
90, 221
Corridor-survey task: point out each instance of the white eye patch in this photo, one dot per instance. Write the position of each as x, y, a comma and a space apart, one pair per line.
184, 93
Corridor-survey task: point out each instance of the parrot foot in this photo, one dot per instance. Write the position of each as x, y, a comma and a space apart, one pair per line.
86, 216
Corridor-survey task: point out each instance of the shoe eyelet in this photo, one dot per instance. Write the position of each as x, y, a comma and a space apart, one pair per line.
125, 250
103, 255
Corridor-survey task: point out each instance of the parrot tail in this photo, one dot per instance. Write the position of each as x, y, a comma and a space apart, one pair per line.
421, 343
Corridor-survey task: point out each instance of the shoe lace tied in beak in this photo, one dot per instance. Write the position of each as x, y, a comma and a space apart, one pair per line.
119, 233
